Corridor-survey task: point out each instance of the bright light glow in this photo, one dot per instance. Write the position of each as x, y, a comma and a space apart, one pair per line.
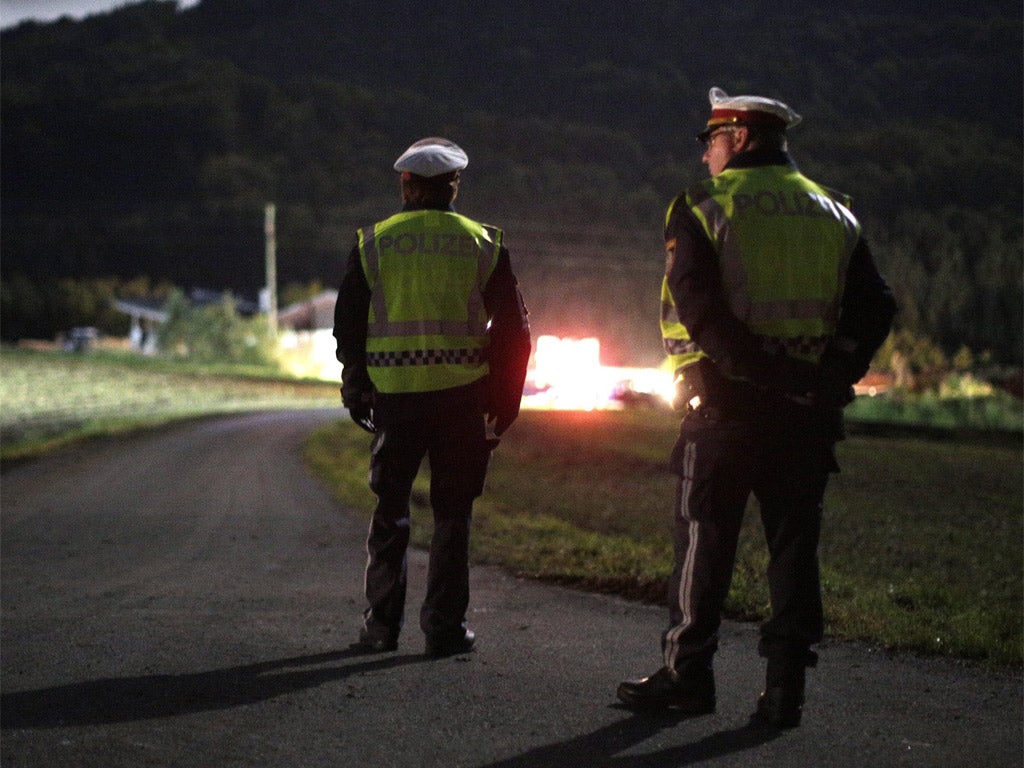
651, 381
567, 375
308, 354
567, 370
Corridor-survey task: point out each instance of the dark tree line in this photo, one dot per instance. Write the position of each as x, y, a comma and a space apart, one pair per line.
146, 141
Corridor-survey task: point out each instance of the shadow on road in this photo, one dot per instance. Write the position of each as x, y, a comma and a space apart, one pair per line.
602, 747
118, 700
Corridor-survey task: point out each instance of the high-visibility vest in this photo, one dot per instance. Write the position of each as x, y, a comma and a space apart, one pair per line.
427, 324
784, 244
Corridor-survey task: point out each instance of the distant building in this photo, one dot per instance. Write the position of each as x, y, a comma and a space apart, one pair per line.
875, 383
306, 343
148, 314
306, 337
312, 314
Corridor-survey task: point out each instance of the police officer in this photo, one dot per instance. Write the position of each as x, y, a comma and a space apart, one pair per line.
772, 308
434, 341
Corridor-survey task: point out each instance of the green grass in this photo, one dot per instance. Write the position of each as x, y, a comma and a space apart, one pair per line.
921, 548
998, 411
50, 399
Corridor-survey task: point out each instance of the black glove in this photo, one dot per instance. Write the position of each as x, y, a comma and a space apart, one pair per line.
362, 414
835, 388
360, 405
501, 421
503, 400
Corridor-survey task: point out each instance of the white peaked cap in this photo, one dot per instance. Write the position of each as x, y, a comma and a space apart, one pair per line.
747, 110
432, 157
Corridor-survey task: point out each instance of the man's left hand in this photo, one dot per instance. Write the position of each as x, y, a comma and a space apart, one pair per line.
363, 416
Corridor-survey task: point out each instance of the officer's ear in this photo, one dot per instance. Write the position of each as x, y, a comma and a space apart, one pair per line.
741, 138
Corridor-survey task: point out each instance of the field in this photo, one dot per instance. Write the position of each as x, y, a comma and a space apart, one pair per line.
48, 399
922, 540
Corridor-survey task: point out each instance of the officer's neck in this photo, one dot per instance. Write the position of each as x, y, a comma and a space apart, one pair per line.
758, 156
428, 207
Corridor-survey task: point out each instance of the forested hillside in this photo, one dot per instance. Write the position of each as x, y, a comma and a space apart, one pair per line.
147, 141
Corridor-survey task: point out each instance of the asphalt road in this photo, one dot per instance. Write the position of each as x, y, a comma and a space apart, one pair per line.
187, 598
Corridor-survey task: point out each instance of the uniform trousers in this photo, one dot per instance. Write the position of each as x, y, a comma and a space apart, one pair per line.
720, 461
451, 433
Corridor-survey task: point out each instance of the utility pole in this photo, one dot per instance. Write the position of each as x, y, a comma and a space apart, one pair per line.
270, 236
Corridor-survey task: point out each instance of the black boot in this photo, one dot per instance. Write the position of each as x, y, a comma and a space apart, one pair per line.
689, 692
452, 645
781, 703
374, 637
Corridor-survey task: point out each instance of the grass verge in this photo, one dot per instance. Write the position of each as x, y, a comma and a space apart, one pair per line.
921, 549
48, 399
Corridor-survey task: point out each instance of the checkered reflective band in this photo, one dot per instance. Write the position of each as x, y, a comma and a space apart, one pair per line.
425, 357
800, 346
679, 346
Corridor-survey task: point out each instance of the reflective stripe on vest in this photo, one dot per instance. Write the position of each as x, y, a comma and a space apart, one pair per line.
679, 348
427, 324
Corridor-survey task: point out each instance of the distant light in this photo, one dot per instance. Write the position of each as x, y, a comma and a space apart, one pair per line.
567, 375
569, 371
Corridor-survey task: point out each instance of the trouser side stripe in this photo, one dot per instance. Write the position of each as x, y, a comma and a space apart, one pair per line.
685, 592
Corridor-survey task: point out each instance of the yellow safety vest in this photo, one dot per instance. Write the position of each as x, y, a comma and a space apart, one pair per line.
427, 324
784, 245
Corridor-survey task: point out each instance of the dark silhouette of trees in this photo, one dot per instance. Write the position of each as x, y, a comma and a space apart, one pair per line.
147, 140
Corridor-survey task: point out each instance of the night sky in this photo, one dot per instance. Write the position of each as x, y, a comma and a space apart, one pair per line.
14, 11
